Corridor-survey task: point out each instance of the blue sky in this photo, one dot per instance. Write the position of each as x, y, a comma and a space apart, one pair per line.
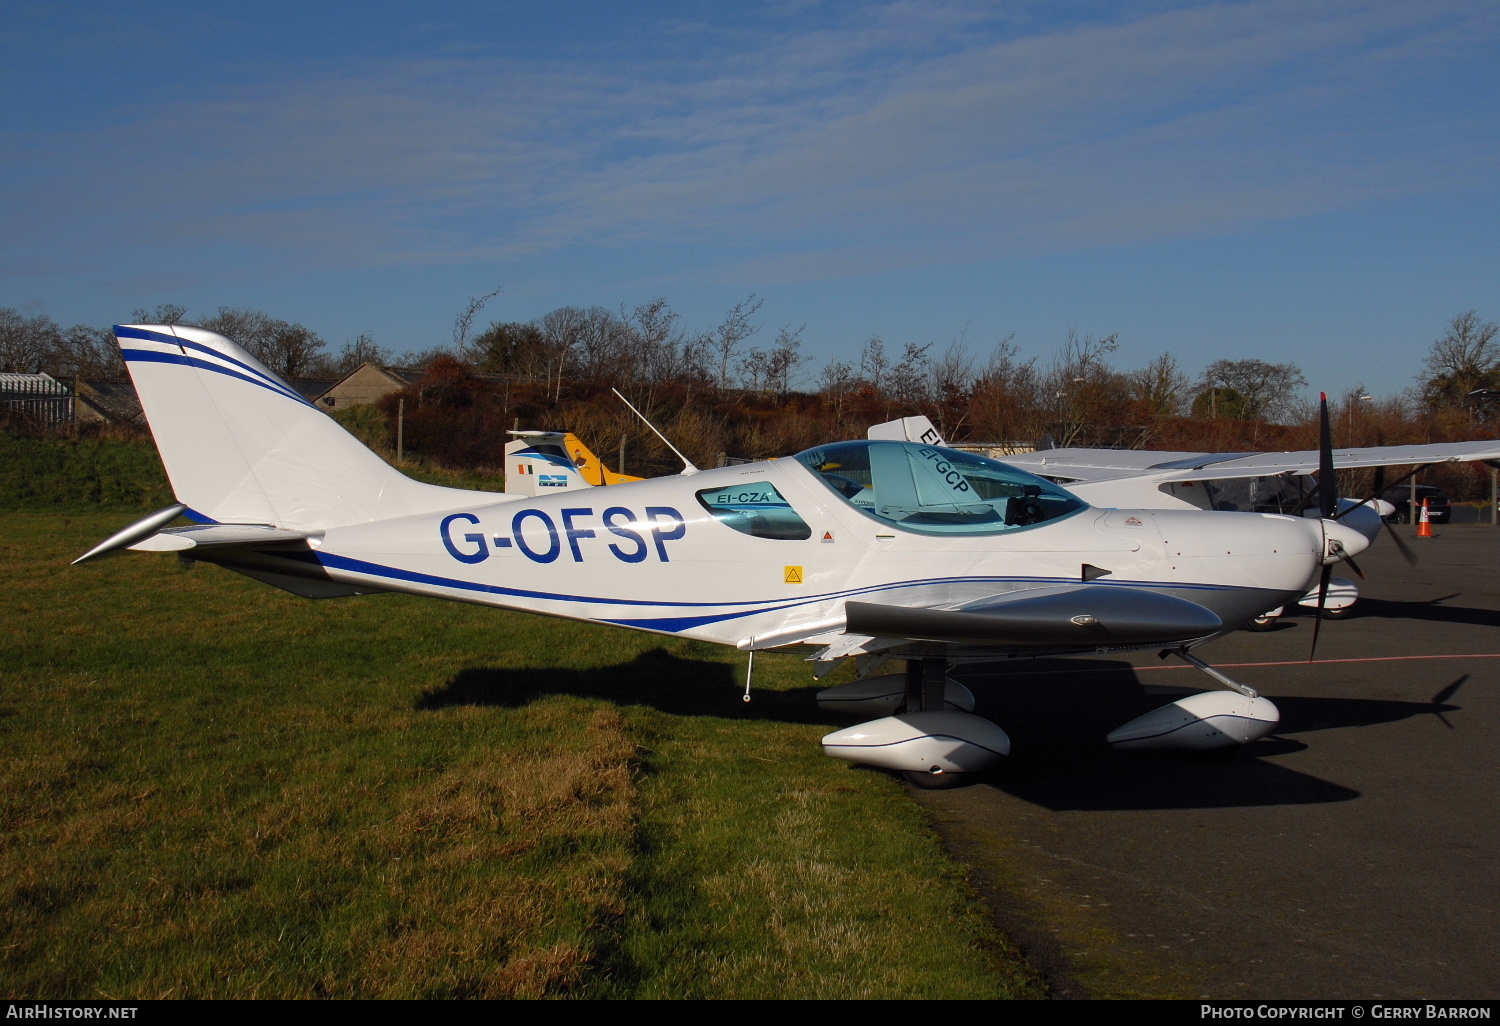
1303, 180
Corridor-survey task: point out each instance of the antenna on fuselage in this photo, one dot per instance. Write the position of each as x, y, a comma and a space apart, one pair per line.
687, 464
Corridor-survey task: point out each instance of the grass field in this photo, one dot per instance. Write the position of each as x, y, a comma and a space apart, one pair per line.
215, 789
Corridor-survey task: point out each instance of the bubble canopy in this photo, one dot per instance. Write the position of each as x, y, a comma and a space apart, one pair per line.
933, 490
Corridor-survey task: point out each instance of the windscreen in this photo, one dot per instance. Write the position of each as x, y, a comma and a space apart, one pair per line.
933, 490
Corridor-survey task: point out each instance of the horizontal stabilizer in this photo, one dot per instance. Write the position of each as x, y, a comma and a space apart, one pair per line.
1083, 615
178, 539
128, 536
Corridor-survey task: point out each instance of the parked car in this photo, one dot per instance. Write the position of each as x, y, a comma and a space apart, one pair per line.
1439, 510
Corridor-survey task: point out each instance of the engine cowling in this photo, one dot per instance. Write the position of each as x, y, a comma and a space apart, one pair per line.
883, 695
1199, 723
922, 742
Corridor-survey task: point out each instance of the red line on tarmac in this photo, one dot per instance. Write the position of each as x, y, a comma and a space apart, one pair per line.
1362, 659
1284, 662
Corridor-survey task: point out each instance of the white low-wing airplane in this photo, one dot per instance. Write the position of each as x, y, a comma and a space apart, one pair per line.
872, 548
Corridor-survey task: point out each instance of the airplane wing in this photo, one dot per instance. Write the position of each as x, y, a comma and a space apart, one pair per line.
1090, 465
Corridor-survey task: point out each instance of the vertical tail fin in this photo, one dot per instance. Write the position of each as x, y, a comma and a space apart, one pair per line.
537, 464
592, 467
242, 446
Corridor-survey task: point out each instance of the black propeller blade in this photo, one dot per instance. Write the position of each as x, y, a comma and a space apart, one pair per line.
1328, 486
1380, 487
1322, 597
1401, 546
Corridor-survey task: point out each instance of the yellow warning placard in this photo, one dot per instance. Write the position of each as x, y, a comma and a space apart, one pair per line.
794, 575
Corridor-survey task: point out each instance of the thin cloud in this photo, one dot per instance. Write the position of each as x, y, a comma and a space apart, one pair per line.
903, 131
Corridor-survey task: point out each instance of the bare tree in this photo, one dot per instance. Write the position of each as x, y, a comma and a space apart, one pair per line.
954, 369
288, 349
873, 363
1160, 387
1007, 400
837, 381
1085, 393
465, 320
1265, 391
786, 358
1464, 361
909, 382
165, 313
562, 329
28, 344
723, 343
653, 342
91, 352
360, 351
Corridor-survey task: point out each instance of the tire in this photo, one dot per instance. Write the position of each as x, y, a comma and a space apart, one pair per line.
1219, 754
1337, 614
936, 781
1262, 623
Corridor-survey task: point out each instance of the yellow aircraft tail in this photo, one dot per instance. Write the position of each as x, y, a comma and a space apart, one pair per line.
590, 466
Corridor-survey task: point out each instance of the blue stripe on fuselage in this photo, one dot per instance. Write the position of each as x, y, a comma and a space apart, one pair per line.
334, 561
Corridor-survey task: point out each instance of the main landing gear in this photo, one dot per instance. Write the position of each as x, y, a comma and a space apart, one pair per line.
1214, 723
927, 730
925, 727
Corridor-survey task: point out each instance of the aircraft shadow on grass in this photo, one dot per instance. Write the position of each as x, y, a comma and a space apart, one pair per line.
658, 679
1057, 722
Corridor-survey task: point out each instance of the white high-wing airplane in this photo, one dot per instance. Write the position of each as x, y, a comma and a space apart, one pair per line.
879, 548
1261, 482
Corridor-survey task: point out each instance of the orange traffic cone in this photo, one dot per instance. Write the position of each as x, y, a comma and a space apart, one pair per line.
1424, 526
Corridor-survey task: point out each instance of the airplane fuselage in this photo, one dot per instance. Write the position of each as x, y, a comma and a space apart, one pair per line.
650, 555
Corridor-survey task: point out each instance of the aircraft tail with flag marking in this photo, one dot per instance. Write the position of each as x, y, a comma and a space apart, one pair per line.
544, 462
592, 467
241, 446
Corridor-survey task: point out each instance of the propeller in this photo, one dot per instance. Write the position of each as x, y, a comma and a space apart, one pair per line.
1327, 497
1380, 486
1328, 504
1328, 485
1401, 546
1328, 509
1322, 597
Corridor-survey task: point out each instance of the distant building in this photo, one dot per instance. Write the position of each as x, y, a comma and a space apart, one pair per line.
39, 398
368, 383
311, 389
106, 402
48, 400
